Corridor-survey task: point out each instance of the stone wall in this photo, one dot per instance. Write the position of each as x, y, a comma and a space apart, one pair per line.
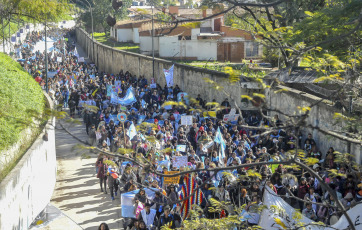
28, 188
321, 117
191, 80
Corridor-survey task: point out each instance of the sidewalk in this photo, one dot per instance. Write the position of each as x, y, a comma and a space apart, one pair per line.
77, 193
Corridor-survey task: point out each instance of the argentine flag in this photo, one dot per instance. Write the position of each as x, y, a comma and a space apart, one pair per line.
218, 139
132, 131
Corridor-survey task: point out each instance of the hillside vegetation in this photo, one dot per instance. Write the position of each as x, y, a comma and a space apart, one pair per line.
21, 98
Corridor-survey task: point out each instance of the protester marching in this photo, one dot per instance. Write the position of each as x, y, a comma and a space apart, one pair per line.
130, 118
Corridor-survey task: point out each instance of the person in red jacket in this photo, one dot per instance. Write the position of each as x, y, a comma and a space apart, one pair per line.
302, 190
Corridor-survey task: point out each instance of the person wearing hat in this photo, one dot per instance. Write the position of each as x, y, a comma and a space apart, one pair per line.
149, 216
348, 201
169, 219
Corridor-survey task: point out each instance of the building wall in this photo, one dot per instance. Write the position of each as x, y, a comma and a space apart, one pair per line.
124, 35
136, 35
191, 78
146, 45
189, 49
28, 188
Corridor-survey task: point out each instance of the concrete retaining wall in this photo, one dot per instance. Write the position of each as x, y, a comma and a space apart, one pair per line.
28, 188
191, 80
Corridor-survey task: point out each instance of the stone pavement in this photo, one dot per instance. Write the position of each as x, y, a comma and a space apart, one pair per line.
77, 193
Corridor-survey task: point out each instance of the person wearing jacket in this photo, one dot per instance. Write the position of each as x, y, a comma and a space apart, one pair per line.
102, 174
302, 191
149, 216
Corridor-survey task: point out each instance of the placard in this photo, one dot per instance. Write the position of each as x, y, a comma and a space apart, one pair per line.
179, 161
171, 180
59, 59
81, 59
231, 118
153, 86
186, 120
232, 111
181, 148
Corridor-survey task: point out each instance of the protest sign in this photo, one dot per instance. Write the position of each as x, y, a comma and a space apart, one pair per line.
81, 59
153, 86
179, 161
171, 180
231, 118
162, 164
186, 120
181, 148
109, 90
59, 59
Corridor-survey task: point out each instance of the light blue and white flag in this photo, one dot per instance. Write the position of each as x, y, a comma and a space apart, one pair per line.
128, 205
76, 52
169, 76
181, 148
218, 139
132, 131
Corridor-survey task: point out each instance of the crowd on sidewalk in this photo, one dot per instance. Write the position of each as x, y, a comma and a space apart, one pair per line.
206, 144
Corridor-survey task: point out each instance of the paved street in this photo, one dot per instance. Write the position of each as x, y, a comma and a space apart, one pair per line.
77, 192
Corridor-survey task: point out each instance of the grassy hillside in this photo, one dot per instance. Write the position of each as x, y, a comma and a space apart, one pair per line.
21, 98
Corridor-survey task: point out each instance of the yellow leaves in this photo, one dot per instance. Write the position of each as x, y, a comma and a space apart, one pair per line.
280, 91
212, 104
310, 14
174, 103
246, 97
108, 162
209, 114
304, 109
124, 151
252, 173
342, 117
192, 25
311, 161
280, 223
259, 95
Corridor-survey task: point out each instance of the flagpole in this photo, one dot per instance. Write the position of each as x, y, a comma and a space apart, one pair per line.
46, 53
153, 49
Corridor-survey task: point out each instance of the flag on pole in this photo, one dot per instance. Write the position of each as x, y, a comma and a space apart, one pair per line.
218, 139
76, 52
132, 131
188, 186
169, 76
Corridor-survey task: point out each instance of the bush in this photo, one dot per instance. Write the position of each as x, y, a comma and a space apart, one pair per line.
21, 98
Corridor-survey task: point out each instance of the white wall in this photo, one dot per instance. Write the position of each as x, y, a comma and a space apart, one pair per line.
202, 50
124, 35
146, 44
28, 188
136, 35
194, 33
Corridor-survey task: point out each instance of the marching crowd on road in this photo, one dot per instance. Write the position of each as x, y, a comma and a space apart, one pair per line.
155, 131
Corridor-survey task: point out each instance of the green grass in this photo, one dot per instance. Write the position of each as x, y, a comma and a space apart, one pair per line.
21, 99
127, 46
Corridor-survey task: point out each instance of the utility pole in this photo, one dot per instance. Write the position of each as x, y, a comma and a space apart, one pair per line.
2, 22
46, 52
153, 48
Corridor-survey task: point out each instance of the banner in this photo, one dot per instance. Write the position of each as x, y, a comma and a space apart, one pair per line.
279, 212
52, 74
171, 180
186, 120
109, 90
81, 59
231, 118
169, 76
179, 161
129, 99
128, 205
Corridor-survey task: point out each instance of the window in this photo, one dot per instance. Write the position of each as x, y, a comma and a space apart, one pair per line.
251, 49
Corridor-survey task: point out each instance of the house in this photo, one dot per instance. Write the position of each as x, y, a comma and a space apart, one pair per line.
127, 31
208, 40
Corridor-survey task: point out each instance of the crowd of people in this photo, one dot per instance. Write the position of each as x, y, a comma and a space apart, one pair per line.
80, 87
